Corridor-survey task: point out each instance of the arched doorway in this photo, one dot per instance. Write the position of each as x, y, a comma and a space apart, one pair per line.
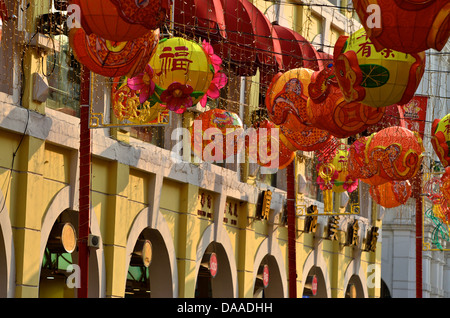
3, 268
315, 286
214, 275
60, 252
149, 272
354, 288
268, 283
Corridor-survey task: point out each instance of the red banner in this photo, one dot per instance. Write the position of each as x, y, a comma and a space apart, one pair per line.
415, 112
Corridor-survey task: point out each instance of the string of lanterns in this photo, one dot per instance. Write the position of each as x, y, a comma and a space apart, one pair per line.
372, 73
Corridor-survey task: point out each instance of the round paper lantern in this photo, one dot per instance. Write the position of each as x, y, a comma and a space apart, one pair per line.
215, 134
328, 110
377, 79
409, 26
113, 59
261, 150
183, 73
396, 153
391, 194
102, 18
286, 101
127, 105
440, 139
149, 13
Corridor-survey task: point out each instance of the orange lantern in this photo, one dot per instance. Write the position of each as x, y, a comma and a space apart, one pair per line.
103, 18
149, 13
377, 79
113, 59
328, 110
286, 102
261, 150
440, 139
215, 135
409, 26
391, 194
395, 152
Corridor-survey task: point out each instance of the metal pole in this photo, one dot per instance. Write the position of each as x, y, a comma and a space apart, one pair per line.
85, 179
419, 215
290, 172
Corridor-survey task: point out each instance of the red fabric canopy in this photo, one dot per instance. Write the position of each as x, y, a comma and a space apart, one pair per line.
202, 17
244, 37
296, 50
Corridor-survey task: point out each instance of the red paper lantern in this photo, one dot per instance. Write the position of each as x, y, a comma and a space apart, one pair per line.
391, 194
103, 18
261, 150
328, 110
286, 102
395, 152
113, 59
409, 26
215, 134
148, 13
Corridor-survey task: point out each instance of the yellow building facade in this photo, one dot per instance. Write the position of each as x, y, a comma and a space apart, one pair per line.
188, 212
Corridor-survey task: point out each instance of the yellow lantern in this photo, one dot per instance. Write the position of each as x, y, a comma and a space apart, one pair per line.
182, 73
440, 139
376, 79
340, 163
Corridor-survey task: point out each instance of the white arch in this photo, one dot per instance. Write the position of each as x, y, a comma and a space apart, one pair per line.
355, 268
315, 258
62, 201
221, 237
5, 226
142, 221
275, 251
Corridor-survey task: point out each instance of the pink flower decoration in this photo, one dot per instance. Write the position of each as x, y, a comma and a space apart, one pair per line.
177, 97
219, 81
215, 59
350, 185
143, 83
